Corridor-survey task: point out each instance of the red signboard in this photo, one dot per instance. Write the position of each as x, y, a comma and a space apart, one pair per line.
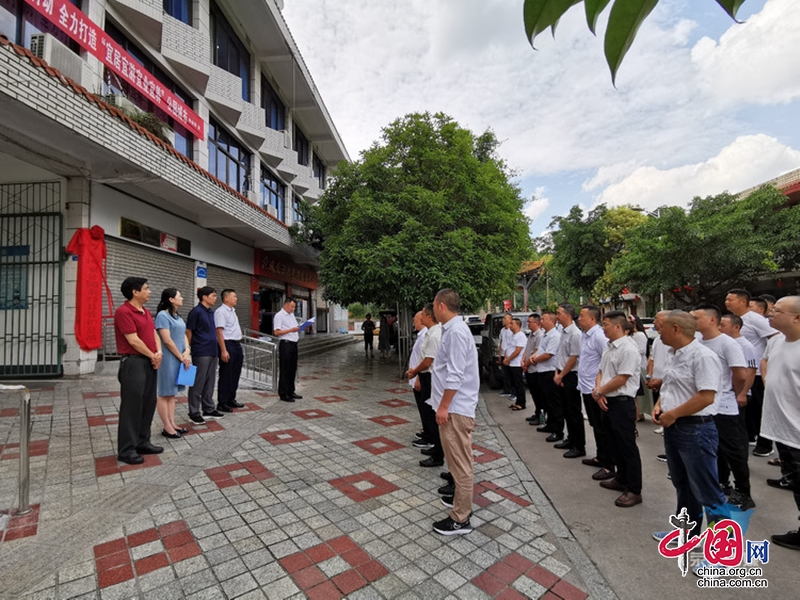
280, 269
92, 38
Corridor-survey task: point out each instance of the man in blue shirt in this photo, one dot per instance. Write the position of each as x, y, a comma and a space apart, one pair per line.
202, 334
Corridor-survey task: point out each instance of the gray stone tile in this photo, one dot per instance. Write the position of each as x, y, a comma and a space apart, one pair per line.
229, 569
239, 585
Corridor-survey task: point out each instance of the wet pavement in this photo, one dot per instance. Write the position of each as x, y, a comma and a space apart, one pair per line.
322, 498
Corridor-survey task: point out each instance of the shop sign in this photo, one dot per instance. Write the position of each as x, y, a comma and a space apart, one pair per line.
284, 270
99, 44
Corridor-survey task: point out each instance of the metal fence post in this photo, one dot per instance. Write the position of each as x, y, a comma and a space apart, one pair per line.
24, 446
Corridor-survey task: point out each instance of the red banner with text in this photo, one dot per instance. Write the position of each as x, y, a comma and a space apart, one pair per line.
97, 42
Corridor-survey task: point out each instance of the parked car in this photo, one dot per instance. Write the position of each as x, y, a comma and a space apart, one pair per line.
649, 327
490, 340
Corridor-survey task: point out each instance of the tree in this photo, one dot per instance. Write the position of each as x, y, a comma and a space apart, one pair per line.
623, 22
720, 242
428, 206
584, 247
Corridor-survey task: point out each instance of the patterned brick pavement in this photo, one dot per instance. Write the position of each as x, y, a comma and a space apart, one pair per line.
274, 501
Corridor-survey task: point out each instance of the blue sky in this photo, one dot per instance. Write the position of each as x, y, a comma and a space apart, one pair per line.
702, 104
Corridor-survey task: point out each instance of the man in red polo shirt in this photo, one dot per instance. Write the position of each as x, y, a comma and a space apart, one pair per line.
140, 348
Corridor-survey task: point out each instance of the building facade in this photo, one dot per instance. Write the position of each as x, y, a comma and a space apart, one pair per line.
84, 88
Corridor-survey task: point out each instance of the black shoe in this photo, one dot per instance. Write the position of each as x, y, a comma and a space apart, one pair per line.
236, 404
213, 414
591, 462
565, 445
544, 429
149, 449
297, 396
131, 459
781, 484
759, 451
613, 484
421, 444
172, 436
555, 437
449, 527
603, 474
447, 490
224, 408
183, 430
789, 540
431, 461
532, 419
287, 399
196, 419
428, 451
419, 435
742, 500
446, 476
447, 501
574, 453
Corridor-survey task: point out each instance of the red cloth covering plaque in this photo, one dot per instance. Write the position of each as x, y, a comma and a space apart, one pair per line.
89, 246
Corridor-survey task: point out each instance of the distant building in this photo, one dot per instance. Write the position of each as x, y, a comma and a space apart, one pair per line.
249, 137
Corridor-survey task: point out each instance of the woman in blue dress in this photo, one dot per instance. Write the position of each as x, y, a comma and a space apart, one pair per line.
172, 330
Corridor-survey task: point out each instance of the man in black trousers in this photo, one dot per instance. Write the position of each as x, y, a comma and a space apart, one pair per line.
231, 357
140, 349
285, 327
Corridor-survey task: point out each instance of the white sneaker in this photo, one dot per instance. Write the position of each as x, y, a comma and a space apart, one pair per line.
659, 430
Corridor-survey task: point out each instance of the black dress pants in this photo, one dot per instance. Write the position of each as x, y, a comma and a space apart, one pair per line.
571, 403
507, 389
517, 384
555, 414
602, 435
287, 362
621, 419
732, 451
429, 425
229, 373
137, 382
532, 380
755, 406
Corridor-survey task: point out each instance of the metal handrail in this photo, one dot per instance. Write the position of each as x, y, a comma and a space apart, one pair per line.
25, 425
260, 365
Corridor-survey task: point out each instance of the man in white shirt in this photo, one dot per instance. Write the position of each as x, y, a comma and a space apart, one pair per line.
285, 326
615, 393
513, 362
593, 344
566, 381
732, 450
502, 350
686, 410
756, 330
455, 384
231, 357
531, 375
416, 386
545, 361
781, 371
422, 370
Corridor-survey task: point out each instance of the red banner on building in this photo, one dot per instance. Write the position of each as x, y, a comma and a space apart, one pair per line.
280, 269
97, 42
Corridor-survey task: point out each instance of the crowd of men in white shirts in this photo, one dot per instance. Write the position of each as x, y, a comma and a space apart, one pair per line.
721, 383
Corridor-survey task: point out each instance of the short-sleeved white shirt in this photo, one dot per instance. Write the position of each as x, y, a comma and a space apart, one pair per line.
531, 346
570, 346
505, 340
284, 320
518, 340
621, 357
431, 343
415, 359
593, 343
693, 368
781, 418
757, 330
661, 356
730, 355
550, 343
225, 318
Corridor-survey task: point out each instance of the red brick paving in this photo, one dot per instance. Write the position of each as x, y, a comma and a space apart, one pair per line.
11, 451
343, 388
287, 436
485, 486
403, 390
20, 526
311, 414
100, 420
209, 425
304, 571
483, 455
115, 564
109, 465
497, 580
36, 410
346, 485
93, 395
395, 403
378, 445
330, 399
388, 420
223, 478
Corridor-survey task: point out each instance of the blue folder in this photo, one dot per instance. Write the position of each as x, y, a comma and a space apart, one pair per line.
186, 376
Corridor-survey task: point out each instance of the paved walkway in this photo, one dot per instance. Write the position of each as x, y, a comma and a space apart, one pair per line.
323, 498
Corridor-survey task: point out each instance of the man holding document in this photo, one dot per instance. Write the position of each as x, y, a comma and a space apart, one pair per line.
285, 327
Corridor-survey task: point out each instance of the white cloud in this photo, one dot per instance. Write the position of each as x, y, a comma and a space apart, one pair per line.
757, 61
747, 161
537, 206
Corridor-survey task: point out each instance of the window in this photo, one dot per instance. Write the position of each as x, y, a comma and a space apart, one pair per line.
18, 22
297, 216
319, 171
273, 192
228, 160
300, 146
179, 9
133, 230
114, 85
228, 52
272, 106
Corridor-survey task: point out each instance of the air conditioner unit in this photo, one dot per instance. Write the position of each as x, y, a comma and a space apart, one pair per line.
58, 55
272, 210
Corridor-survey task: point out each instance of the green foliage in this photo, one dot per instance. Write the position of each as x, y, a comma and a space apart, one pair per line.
428, 206
152, 124
623, 23
719, 243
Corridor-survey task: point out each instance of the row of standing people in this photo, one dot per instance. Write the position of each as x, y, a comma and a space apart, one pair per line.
154, 352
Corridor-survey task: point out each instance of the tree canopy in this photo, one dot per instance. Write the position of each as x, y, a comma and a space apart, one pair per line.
429, 205
623, 22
